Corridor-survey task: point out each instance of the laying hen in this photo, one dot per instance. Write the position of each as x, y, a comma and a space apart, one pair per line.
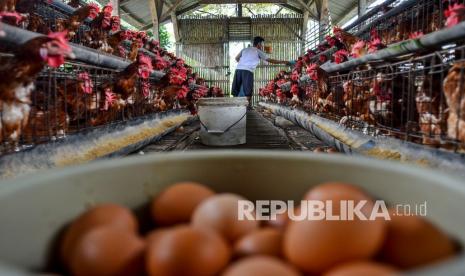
100, 27
79, 97
431, 116
8, 13
455, 96
17, 76
74, 3
74, 22
7, 5
126, 81
345, 38
115, 40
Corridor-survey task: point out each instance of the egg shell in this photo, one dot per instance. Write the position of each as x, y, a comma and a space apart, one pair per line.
156, 234
107, 250
361, 268
314, 246
412, 241
220, 213
104, 214
265, 241
176, 203
260, 266
185, 250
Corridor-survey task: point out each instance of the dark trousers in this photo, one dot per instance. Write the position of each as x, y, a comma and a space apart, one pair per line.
244, 79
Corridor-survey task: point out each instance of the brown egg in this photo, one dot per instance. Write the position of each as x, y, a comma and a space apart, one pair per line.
265, 241
314, 245
361, 268
107, 250
176, 203
318, 150
105, 214
412, 241
185, 250
260, 266
156, 234
220, 213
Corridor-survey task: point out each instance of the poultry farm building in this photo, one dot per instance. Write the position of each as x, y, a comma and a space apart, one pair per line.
87, 80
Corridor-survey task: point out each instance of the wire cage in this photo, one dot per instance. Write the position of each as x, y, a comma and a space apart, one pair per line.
404, 20
420, 100
399, 21
46, 17
71, 99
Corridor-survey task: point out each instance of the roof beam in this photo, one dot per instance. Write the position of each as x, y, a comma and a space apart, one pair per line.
292, 8
166, 15
188, 8
138, 22
241, 1
306, 6
123, 2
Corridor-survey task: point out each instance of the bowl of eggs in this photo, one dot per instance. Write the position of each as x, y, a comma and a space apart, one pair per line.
215, 213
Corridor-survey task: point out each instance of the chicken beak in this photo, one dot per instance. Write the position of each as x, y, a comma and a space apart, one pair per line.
71, 55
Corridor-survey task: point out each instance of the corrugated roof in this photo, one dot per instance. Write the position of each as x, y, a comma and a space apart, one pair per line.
137, 12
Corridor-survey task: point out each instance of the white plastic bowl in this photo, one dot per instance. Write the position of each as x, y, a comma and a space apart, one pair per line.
33, 209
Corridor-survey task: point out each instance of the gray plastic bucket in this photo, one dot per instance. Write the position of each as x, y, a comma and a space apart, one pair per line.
223, 121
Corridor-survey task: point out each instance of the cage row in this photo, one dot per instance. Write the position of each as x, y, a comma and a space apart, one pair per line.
421, 99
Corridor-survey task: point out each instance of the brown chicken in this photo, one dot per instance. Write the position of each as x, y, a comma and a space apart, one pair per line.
100, 27
79, 97
346, 38
431, 118
111, 106
17, 76
134, 51
38, 25
46, 124
115, 40
74, 3
73, 23
8, 5
453, 88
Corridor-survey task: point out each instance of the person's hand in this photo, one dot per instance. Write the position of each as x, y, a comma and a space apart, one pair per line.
291, 63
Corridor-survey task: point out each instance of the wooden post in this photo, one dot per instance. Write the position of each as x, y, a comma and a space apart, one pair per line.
174, 20
362, 7
323, 15
304, 31
155, 11
239, 10
116, 5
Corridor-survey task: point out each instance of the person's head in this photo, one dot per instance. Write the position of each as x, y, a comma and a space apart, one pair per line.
259, 42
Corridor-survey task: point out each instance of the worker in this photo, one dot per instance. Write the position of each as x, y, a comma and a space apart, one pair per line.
248, 59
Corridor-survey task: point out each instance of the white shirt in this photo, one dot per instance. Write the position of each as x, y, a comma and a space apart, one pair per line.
250, 58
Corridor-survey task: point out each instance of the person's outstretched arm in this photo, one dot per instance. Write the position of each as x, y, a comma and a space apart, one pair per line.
275, 61
238, 57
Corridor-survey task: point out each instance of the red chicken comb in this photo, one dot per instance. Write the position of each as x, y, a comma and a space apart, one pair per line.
295, 89
110, 98
416, 35
94, 6
83, 76
146, 60
453, 14
60, 37
341, 56
182, 92
108, 8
